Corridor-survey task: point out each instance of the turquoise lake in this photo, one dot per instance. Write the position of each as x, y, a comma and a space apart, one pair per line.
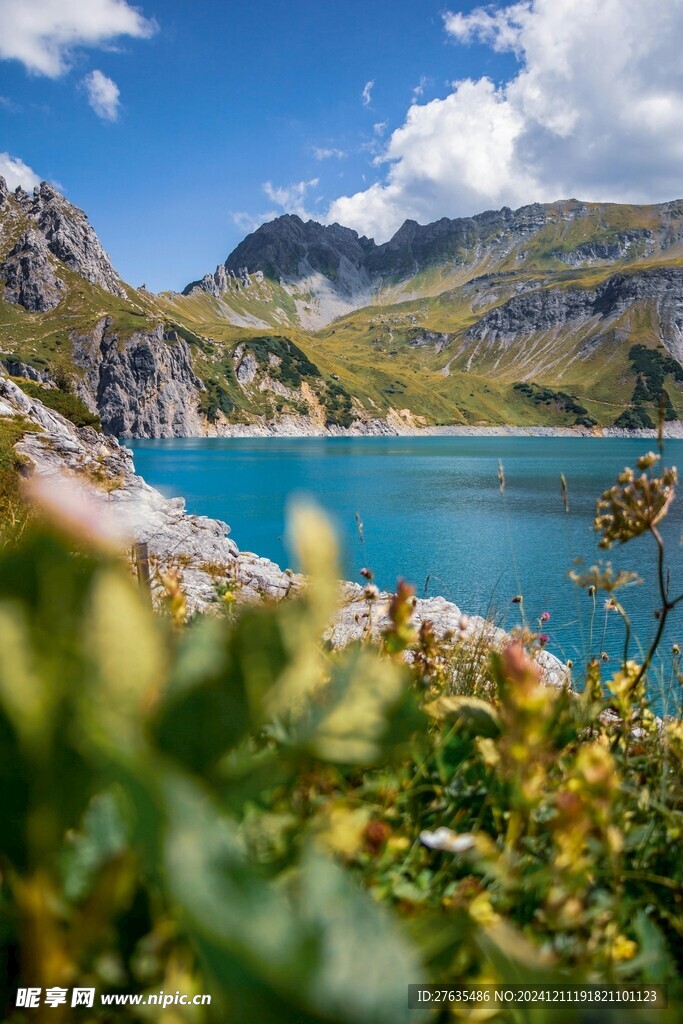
432, 513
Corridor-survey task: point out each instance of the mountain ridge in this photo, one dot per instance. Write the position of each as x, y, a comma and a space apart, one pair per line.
566, 314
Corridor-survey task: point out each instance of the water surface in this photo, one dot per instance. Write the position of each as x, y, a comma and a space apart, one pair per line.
432, 513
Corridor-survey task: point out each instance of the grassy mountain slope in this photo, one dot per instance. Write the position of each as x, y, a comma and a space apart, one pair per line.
534, 317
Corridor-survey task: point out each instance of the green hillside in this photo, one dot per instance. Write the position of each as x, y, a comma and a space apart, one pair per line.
537, 317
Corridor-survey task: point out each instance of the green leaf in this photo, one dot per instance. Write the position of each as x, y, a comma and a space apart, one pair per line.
101, 837
318, 950
218, 684
362, 714
476, 716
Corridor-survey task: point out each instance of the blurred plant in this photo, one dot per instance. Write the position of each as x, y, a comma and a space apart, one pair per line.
220, 805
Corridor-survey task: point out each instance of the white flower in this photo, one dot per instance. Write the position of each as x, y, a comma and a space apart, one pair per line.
446, 839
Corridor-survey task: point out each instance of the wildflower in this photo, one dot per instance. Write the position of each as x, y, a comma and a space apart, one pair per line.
446, 839
570, 663
482, 911
675, 650
645, 461
545, 617
543, 639
517, 599
623, 948
624, 684
518, 668
371, 592
604, 656
603, 577
635, 503
366, 574
376, 835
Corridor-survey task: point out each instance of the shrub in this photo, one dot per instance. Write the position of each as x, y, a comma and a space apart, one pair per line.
62, 400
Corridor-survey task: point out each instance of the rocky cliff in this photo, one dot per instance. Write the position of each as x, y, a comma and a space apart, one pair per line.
141, 385
546, 308
30, 279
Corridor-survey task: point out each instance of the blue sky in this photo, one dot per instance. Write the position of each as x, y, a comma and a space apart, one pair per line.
178, 126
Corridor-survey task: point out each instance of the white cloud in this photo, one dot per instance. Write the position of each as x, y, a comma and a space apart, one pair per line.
421, 86
594, 111
366, 94
501, 28
43, 33
292, 198
248, 222
16, 172
379, 128
103, 95
320, 153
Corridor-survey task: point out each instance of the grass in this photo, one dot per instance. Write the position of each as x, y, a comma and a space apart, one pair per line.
12, 508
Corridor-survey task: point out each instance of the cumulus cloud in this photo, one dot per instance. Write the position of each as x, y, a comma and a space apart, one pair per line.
16, 172
366, 94
103, 95
291, 198
42, 34
595, 111
321, 153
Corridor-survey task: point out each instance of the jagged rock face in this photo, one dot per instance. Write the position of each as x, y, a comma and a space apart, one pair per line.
593, 252
142, 385
289, 250
71, 239
278, 248
30, 280
547, 308
16, 368
246, 366
4, 191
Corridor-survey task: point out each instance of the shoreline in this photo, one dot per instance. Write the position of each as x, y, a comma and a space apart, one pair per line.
380, 428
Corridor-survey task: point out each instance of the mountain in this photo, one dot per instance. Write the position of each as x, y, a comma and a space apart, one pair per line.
561, 314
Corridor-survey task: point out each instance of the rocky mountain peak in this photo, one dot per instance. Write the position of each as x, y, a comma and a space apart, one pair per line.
72, 240
66, 234
30, 280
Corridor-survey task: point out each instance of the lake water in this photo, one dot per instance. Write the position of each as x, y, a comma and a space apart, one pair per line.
432, 513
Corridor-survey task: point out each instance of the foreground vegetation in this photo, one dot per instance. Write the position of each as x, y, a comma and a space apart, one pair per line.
227, 806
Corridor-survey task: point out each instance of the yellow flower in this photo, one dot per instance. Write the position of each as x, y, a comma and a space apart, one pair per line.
623, 948
482, 911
